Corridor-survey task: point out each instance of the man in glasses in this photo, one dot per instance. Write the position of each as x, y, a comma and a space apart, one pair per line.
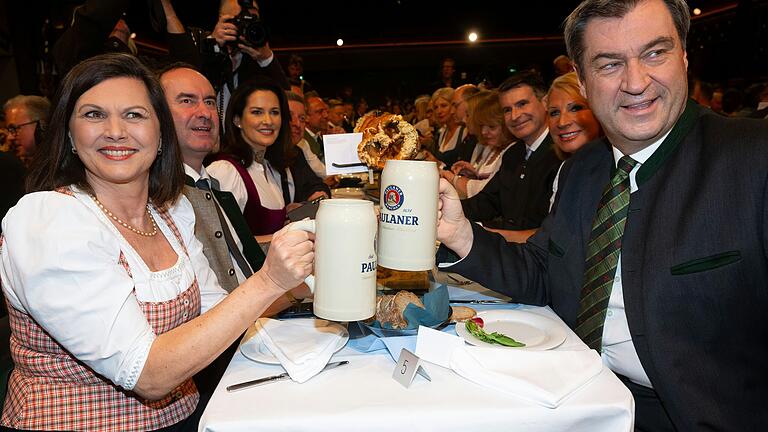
24, 115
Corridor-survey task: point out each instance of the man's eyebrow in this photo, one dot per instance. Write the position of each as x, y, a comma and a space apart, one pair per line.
661, 40
186, 96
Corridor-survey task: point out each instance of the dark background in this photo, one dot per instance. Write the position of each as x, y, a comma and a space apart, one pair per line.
394, 47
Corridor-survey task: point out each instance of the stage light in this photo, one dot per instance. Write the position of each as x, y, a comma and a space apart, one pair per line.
696, 11
472, 37
339, 42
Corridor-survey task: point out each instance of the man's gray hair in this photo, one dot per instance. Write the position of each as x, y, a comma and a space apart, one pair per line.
37, 107
577, 21
292, 96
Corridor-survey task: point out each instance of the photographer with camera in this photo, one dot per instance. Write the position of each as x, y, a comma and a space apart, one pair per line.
235, 51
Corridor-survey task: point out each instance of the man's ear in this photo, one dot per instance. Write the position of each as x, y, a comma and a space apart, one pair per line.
582, 88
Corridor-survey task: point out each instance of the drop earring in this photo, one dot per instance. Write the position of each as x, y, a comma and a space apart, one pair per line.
72, 143
160, 147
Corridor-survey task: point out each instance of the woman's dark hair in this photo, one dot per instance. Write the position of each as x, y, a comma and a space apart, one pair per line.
281, 153
55, 165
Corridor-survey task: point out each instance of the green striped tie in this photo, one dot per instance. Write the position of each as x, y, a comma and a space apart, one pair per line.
603, 255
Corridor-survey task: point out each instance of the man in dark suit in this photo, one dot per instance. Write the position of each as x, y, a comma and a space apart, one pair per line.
517, 197
663, 216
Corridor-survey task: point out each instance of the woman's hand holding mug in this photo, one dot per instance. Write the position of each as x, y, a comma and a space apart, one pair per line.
290, 259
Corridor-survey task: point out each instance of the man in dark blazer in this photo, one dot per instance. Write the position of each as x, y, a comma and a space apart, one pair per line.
517, 197
684, 327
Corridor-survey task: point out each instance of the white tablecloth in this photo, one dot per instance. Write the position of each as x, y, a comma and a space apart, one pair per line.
363, 396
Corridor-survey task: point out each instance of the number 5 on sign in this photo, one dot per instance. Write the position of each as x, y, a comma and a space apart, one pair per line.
407, 367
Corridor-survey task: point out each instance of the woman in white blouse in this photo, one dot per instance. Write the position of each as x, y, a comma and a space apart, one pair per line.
258, 162
104, 278
487, 119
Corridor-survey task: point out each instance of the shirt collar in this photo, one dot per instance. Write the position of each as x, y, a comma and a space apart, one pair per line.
312, 134
641, 156
538, 141
188, 170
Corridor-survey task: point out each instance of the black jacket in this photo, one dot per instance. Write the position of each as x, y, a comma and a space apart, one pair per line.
517, 197
694, 267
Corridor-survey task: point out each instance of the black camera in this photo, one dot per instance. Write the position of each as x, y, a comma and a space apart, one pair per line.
250, 27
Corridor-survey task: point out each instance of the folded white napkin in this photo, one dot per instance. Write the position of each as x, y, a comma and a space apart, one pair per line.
543, 377
302, 350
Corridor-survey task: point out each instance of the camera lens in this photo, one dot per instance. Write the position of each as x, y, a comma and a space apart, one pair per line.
256, 33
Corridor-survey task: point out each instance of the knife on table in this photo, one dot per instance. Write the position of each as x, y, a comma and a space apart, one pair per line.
276, 378
482, 302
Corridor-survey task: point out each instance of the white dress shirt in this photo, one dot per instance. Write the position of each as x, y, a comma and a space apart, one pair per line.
266, 179
188, 170
619, 353
532, 148
318, 167
60, 266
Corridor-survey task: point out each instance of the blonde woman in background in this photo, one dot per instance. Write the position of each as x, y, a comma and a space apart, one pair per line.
451, 131
571, 122
488, 120
479, 152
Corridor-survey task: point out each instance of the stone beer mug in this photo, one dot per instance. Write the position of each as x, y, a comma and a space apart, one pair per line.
408, 218
344, 283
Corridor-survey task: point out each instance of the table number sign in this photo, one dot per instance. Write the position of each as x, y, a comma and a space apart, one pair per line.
407, 367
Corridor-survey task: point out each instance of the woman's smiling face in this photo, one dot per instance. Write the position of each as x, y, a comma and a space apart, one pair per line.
261, 119
115, 131
571, 122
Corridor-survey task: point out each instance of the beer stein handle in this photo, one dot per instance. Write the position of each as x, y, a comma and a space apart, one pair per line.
307, 225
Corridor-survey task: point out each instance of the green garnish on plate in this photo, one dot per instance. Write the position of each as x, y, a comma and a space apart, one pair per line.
491, 338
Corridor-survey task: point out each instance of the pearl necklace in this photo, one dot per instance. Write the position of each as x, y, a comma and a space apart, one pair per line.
120, 221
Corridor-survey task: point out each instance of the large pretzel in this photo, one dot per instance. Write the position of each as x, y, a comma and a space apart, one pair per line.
385, 136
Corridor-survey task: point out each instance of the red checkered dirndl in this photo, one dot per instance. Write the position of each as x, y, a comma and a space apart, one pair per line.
51, 390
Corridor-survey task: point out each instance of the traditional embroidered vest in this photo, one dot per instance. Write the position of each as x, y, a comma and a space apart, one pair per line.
261, 220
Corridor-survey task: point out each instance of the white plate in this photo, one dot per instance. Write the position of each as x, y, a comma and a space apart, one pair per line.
253, 347
537, 332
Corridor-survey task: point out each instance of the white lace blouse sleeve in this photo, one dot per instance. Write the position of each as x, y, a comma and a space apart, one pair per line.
318, 167
60, 266
229, 180
475, 186
554, 187
211, 292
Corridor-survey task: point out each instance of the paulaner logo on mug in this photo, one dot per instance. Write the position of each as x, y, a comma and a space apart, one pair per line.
408, 219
